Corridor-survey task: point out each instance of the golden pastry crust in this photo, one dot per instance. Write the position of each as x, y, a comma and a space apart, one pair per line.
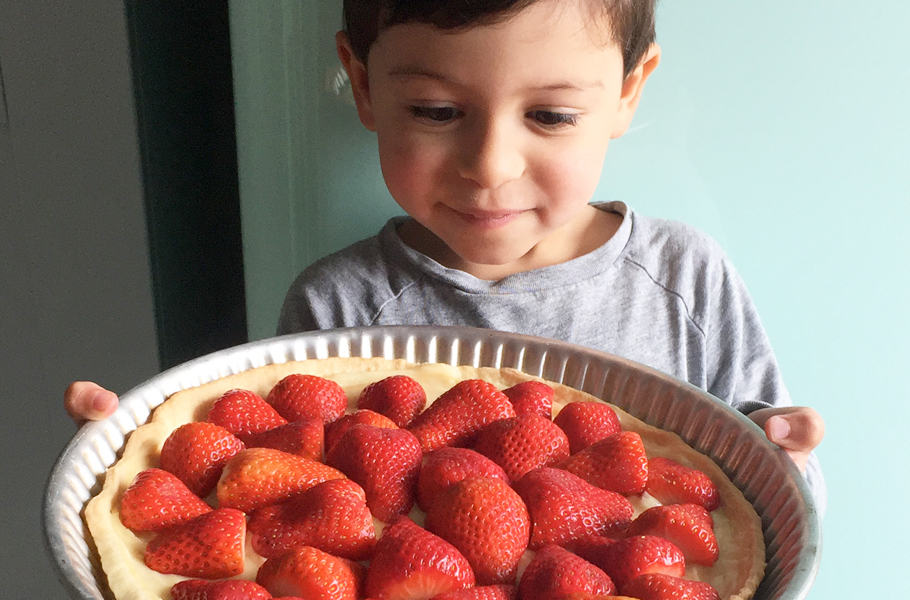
736, 574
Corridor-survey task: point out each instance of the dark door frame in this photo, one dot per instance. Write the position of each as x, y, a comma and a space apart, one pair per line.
181, 61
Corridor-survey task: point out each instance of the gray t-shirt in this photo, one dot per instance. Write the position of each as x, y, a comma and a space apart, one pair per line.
658, 292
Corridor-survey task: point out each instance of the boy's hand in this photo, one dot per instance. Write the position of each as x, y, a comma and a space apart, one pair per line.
87, 401
796, 429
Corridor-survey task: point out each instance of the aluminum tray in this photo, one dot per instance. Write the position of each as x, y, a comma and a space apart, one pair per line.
763, 472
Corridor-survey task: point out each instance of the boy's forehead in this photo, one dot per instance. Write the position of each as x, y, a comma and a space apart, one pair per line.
589, 16
557, 34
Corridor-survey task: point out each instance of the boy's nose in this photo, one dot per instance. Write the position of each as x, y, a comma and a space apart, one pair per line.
492, 155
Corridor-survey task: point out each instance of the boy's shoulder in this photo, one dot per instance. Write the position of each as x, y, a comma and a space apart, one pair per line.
365, 262
681, 260
663, 246
364, 253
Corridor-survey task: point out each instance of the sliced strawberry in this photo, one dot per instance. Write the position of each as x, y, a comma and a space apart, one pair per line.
332, 516
531, 397
586, 423
673, 483
689, 526
304, 438
410, 562
523, 443
441, 468
500, 591
227, 589
209, 546
564, 507
458, 414
298, 397
336, 429
261, 476
398, 397
157, 499
197, 452
656, 586
487, 521
385, 462
617, 463
626, 559
308, 572
243, 412
555, 573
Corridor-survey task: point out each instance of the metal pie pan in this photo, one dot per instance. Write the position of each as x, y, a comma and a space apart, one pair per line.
763, 472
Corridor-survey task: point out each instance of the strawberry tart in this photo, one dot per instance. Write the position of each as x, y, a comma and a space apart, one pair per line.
348, 478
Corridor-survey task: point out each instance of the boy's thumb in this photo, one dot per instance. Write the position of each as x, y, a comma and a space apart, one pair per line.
801, 429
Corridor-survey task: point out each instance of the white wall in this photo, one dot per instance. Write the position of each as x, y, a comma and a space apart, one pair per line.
76, 299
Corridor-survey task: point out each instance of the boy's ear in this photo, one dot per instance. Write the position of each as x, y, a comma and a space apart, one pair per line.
360, 84
632, 88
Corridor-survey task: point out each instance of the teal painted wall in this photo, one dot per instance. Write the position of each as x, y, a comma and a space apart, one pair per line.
780, 128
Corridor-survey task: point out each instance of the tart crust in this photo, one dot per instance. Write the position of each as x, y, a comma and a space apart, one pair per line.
736, 574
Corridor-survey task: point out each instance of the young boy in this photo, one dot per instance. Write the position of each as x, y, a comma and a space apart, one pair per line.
493, 120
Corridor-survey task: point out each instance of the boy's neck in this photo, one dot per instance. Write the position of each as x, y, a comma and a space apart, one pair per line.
592, 230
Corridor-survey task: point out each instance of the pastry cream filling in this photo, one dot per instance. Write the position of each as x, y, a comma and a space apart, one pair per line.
735, 575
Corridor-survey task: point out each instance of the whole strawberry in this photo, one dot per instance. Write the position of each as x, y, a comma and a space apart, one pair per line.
298, 397
243, 412
589, 547
336, 429
227, 589
209, 546
458, 414
261, 476
673, 483
410, 562
196, 453
655, 586
157, 499
522, 443
500, 591
385, 462
308, 572
304, 438
332, 516
617, 463
586, 423
531, 398
487, 521
564, 507
555, 573
441, 468
398, 397
689, 526
626, 559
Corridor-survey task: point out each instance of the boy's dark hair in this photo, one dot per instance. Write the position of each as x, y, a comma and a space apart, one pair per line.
631, 21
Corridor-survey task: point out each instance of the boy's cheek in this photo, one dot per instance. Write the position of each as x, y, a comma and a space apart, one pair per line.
573, 178
407, 172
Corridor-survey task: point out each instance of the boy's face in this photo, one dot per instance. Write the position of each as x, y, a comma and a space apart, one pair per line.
493, 138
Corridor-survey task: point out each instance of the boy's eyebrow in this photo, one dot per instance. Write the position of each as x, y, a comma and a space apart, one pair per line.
407, 72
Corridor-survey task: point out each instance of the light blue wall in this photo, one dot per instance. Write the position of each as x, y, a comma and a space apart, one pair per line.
781, 128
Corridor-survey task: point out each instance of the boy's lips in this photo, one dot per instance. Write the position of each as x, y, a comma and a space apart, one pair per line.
488, 218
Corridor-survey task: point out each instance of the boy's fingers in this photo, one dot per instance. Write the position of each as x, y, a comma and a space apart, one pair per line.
84, 400
797, 428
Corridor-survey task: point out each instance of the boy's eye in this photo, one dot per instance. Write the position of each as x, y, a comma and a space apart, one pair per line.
550, 118
437, 114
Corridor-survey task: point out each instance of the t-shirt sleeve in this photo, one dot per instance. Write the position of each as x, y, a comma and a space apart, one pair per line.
296, 313
741, 366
